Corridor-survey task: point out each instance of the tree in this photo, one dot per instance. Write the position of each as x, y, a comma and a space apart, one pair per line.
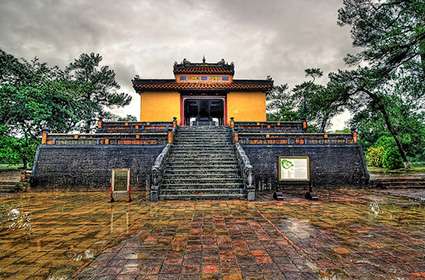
317, 103
309, 100
281, 105
108, 116
391, 59
100, 88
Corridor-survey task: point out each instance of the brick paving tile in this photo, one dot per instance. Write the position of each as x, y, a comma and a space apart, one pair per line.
347, 234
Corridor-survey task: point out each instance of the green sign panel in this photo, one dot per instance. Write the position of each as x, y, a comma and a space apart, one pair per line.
294, 168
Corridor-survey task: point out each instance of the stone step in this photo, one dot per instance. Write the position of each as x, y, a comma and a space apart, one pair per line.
202, 196
201, 185
202, 171
200, 180
200, 142
203, 145
199, 166
201, 191
216, 175
203, 135
8, 187
5, 183
202, 154
399, 183
207, 149
202, 151
205, 162
202, 157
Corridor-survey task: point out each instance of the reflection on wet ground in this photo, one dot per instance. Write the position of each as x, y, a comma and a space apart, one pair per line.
348, 234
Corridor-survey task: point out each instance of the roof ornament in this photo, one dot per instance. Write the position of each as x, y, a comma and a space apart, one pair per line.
203, 59
185, 61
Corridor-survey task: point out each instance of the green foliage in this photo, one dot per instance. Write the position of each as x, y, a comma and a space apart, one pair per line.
374, 156
108, 116
281, 105
34, 95
308, 100
384, 154
391, 159
100, 87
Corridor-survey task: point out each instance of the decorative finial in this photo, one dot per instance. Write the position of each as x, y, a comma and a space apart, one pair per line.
203, 59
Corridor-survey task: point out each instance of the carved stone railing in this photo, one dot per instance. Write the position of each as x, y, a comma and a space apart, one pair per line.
132, 127
264, 138
246, 171
280, 126
156, 138
157, 172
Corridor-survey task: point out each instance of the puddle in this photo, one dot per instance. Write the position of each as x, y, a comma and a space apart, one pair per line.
346, 234
50, 235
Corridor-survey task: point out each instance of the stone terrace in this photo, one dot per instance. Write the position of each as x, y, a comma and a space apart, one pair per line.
348, 234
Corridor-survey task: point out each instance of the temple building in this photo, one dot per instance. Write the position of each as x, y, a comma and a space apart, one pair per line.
202, 135
202, 93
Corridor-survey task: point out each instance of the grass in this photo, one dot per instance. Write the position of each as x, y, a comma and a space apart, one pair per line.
415, 168
10, 167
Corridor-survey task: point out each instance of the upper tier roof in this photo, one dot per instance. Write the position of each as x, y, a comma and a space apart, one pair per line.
187, 67
141, 85
221, 74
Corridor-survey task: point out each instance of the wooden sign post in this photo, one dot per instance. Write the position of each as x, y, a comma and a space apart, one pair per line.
120, 186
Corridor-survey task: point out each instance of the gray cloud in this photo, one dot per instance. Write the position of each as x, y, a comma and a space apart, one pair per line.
272, 37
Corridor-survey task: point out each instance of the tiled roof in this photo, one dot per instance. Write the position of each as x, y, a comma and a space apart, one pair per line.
187, 67
141, 85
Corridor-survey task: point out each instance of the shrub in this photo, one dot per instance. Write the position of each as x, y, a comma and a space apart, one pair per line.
375, 155
384, 154
392, 159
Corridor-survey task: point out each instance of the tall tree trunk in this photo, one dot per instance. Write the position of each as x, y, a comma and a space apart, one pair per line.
381, 107
324, 124
395, 135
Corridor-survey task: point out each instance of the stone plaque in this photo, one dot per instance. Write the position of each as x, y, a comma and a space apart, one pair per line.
294, 168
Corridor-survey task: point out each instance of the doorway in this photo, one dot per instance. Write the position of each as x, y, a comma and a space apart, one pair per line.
198, 112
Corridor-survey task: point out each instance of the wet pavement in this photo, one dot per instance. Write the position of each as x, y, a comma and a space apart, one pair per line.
347, 234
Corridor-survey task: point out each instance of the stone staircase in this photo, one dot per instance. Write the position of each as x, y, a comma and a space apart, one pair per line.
8, 187
9, 181
406, 181
202, 165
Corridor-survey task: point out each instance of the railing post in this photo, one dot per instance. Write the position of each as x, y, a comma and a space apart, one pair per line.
154, 189
174, 122
44, 135
235, 137
232, 122
250, 187
355, 136
100, 122
170, 136
305, 124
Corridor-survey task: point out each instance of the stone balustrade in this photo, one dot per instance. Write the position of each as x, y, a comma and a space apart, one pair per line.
132, 127
280, 126
155, 138
264, 138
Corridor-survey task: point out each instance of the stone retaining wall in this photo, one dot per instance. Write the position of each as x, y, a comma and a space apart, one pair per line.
90, 165
331, 165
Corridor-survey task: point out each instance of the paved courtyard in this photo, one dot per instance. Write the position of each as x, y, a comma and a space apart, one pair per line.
347, 234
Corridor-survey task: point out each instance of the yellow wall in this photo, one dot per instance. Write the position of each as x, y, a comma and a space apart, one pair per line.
246, 106
159, 106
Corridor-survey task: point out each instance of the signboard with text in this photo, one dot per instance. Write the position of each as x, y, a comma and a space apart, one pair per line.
294, 168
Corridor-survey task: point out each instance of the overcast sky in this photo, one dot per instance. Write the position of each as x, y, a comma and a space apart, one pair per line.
279, 38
